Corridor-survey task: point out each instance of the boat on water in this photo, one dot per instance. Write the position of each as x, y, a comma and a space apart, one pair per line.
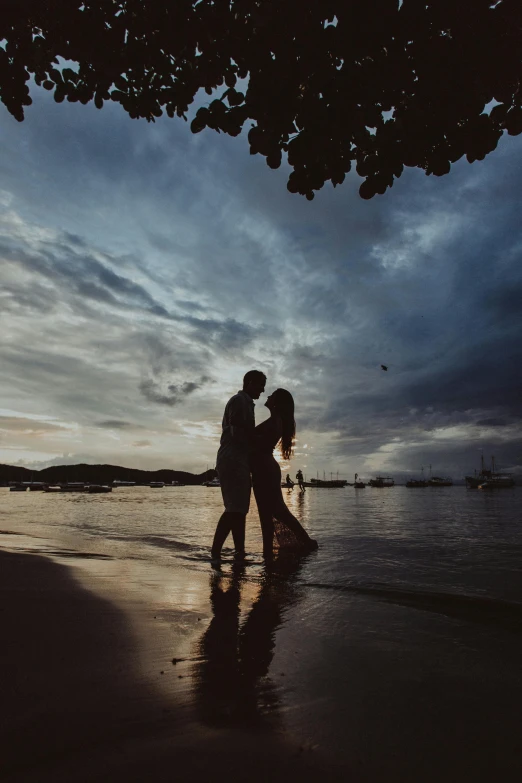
215, 482
97, 488
438, 481
34, 486
489, 479
73, 486
418, 483
500, 481
118, 483
17, 488
325, 483
358, 484
382, 481
157, 484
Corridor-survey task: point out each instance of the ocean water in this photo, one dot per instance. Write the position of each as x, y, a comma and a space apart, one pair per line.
394, 649
451, 541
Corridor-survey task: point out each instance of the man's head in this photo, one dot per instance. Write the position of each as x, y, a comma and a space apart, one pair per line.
254, 383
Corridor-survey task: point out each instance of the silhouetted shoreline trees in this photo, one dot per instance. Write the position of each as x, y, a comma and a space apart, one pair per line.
99, 474
375, 84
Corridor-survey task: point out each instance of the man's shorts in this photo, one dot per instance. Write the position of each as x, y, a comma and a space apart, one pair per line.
234, 476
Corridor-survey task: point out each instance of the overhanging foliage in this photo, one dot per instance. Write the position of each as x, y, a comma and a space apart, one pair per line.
381, 84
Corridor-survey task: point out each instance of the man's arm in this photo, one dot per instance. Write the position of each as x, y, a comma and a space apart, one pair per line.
238, 419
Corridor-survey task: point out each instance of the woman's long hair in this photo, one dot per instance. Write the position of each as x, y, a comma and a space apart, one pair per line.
285, 408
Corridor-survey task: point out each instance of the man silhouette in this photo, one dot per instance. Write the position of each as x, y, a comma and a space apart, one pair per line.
232, 462
300, 480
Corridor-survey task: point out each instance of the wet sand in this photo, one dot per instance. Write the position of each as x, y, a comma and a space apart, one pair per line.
78, 703
271, 682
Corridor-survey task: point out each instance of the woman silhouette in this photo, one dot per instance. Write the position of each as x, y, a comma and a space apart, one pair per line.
278, 525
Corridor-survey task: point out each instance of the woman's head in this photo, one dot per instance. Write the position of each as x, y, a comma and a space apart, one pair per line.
281, 403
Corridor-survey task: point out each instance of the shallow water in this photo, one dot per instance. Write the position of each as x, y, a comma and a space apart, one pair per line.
447, 540
395, 646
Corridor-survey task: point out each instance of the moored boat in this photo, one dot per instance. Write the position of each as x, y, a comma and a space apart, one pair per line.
17, 488
358, 484
498, 481
72, 486
157, 484
492, 478
215, 482
382, 481
325, 484
98, 488
437, 481
418, 483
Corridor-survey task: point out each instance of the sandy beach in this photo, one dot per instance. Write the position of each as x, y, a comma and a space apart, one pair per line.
84, 696
126, 657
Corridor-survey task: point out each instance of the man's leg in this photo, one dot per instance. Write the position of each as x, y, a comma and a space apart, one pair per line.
238, 533
229, 521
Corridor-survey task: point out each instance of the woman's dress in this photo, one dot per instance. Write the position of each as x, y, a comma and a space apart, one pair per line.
279, 527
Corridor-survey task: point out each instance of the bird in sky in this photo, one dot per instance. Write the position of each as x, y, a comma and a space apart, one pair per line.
383, 366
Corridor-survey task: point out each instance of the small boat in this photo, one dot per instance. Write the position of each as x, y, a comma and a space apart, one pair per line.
157, 484
72, 486
493, 479
98, 488
437, 481
418, 483
17, 488
118, 483
358, 484
215, 482
382, 481
52, 488
498, 481
325, 484
34, 486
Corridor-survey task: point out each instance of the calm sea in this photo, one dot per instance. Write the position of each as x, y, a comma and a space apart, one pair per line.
397, 645
451, 540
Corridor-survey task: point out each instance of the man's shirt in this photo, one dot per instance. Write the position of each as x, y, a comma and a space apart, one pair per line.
238, 426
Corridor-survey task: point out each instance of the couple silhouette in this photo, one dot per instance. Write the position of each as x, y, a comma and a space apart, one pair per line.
245, 459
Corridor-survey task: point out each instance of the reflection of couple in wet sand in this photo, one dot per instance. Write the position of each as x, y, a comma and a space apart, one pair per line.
234, 655
246, 449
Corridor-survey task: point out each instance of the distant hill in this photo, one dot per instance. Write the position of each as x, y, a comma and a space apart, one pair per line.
99, 474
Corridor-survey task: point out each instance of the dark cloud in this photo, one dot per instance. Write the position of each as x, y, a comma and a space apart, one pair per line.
184, 257
173, 394
78, 274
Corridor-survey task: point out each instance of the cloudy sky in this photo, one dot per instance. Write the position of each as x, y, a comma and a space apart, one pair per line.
145, 269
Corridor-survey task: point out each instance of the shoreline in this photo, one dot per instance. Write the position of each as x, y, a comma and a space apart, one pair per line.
78, 706
276, 676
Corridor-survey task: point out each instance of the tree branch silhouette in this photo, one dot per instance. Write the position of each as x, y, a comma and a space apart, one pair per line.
375, 84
